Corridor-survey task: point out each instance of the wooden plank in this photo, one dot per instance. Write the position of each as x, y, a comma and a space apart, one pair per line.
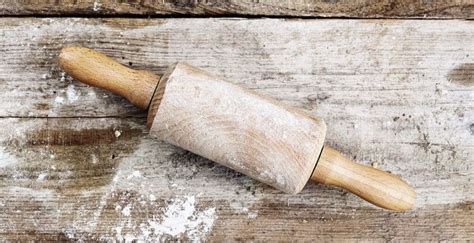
319, 8
75, 179
76, 162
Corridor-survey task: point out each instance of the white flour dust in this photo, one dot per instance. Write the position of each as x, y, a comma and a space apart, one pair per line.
71, 93
180, 218
6, 159
59, 100
242, 207
96, 6
42, 176
126, 211
136, 173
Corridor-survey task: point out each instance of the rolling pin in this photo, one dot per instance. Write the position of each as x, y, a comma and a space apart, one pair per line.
251, 133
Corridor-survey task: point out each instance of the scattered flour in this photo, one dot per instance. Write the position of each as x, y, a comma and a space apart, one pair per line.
63, 77
118, 232
94, 159
126, 210
375, 165
92, 94
242, 207
252, 215
6, 159
42, 176
59, 100
96, 6
40, 194
135, 174
180, 217
71, 93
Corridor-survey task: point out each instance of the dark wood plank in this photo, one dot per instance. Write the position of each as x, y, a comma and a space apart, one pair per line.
77, 163
319, 8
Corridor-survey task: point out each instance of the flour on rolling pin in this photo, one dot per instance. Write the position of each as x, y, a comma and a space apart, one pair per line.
226, 123
238, 128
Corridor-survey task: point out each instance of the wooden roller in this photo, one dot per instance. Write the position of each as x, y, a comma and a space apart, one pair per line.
226, 123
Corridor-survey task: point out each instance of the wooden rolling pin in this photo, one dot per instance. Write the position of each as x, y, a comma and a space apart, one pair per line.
248, 132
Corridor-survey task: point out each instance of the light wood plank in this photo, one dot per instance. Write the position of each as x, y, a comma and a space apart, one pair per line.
306, 8
74, 179
399, 93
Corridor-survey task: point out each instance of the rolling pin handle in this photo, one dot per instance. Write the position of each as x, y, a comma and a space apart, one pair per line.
375, 186
96, 69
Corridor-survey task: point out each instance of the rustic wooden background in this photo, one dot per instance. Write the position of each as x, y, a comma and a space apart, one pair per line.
393, 81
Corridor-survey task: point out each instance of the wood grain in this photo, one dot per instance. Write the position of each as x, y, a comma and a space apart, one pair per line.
96, 69
373, 185
288, 8
76, 162
226, 123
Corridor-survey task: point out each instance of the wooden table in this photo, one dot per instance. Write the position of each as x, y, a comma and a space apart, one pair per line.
394, 82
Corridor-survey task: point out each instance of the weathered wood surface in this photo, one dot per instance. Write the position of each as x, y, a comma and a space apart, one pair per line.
77, 163
316, 8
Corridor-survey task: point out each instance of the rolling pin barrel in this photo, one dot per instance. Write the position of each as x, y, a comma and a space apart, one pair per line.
248, 132
238, 128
